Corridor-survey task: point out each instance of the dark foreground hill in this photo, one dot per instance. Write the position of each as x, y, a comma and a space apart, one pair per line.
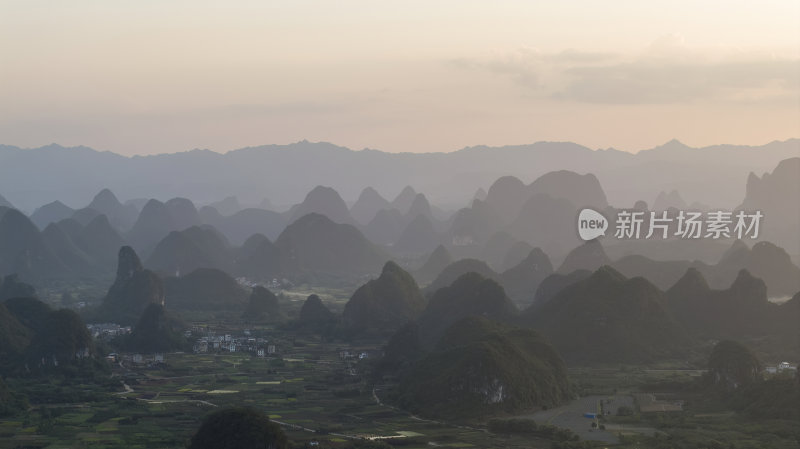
469, 295
732, 365
132, 291
740, 310
35, 338
262, 306
315, 313
156, 331
481, 367
205, 289
608, 318
386, 303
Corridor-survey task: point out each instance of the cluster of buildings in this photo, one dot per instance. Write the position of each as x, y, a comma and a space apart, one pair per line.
274, 285
137, 360
781, 367
354, 355
260, 347
106, 331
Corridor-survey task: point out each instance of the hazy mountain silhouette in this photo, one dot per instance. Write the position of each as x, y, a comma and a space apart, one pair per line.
85, 215
51, 213
420, 206
588, 256
521, 281
496, 249
386, 227
314, 243
136, 203
404, 199
190, 249
506, 197
765, 260
23, 250
227, 206
97, 239
579, 190
258, 258
774, 195
248, 173
368, 204
551, 285
515, 255
418, 237
325, 201
183, 213
672, 199
437, 261
266, 204
100, 240
120, 216
241, 225
661, 273
457, 269
548, 223
158, 219
210, 216
469, 295
153, 224
61, 250
73, 258
474, 225
5, 203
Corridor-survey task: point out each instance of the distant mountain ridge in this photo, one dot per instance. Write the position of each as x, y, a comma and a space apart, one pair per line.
285, 173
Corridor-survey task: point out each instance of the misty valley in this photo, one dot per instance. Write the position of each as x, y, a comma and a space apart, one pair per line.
402, 322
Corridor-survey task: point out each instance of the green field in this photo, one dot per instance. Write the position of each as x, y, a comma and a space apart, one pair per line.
309, 390
318, 397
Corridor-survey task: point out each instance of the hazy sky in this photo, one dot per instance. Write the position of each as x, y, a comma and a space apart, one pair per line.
148, 76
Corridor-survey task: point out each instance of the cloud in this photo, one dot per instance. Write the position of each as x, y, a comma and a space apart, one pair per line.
519, 65
666, 71
669, 80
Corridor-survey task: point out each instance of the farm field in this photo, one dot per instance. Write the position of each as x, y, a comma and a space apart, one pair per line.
311, 391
